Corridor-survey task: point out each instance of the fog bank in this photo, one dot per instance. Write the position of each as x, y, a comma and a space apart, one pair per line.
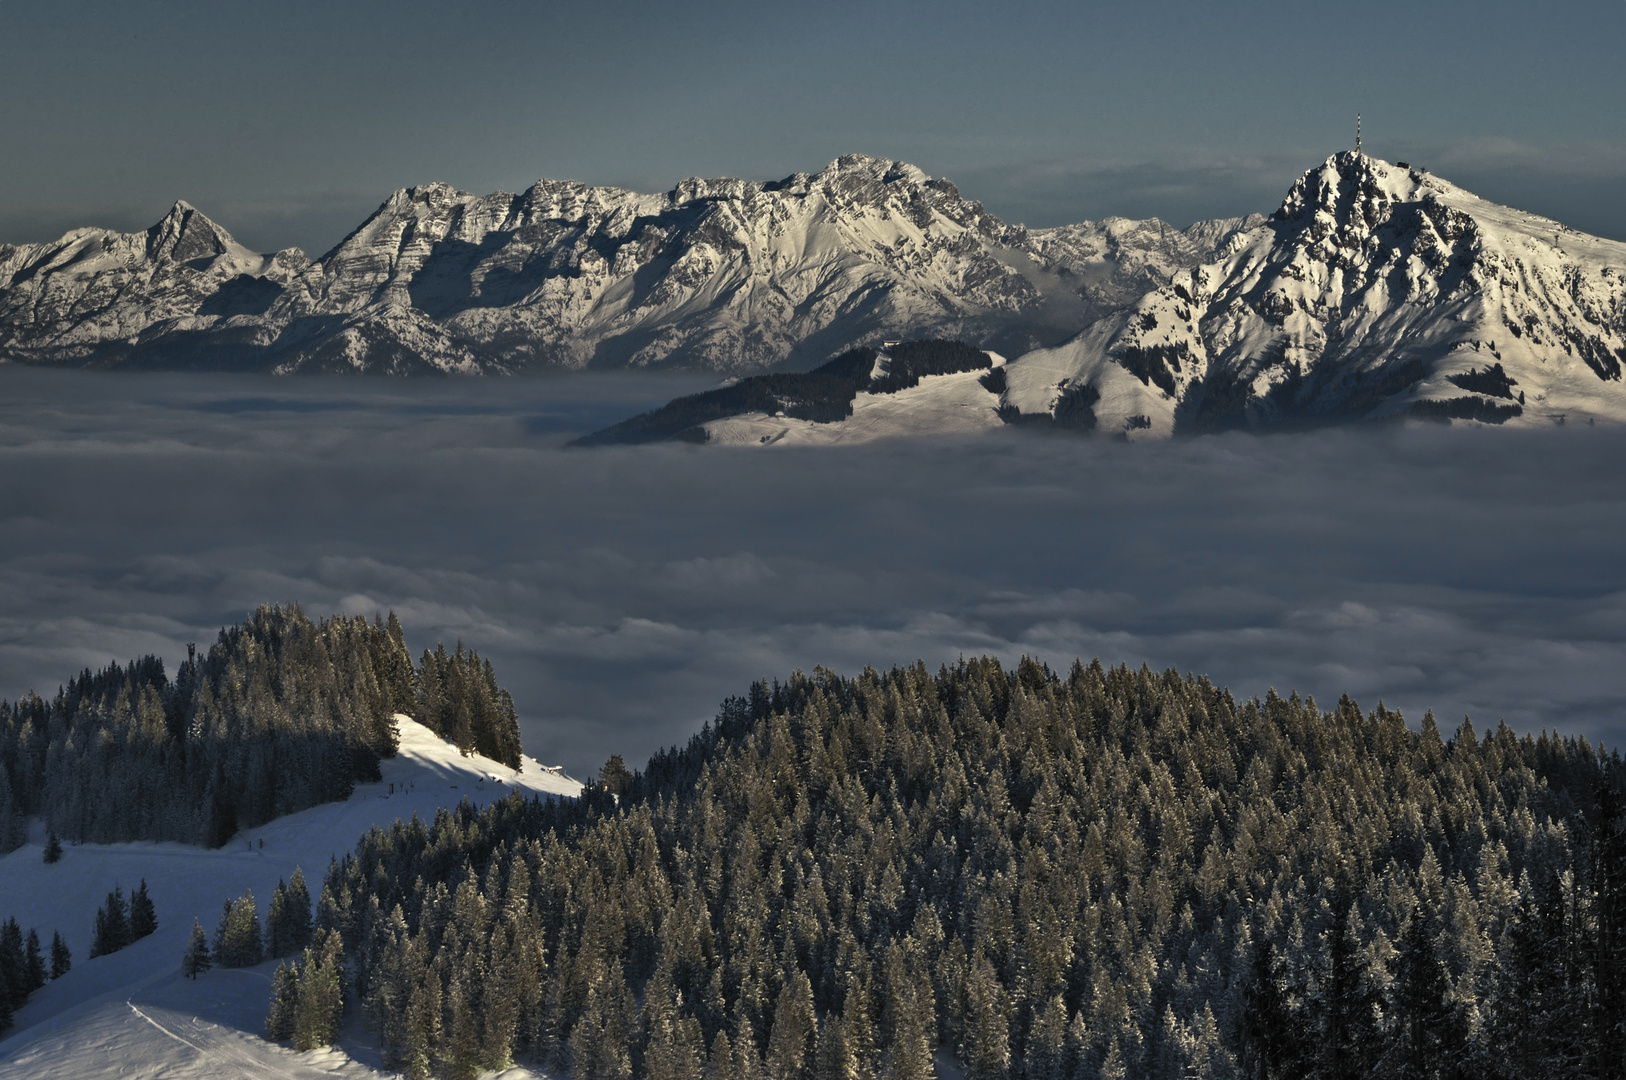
622, 592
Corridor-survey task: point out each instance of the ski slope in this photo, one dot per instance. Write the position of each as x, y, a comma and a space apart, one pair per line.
132, 1014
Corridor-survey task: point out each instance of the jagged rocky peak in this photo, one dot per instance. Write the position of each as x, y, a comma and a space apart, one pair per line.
185, 234
434, 195
1375, 291
862, 177
851, 184
1358, 213
858, 180
1347, 182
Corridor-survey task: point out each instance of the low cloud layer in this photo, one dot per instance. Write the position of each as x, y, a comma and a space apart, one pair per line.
622, 592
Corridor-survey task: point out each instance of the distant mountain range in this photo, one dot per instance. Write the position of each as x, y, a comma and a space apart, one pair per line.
1376, 292
729, 275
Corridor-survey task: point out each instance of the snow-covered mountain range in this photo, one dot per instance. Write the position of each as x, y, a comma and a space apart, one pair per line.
729, 275
1377, 291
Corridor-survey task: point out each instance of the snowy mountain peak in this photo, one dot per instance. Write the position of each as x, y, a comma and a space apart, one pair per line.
1375, 291
1342, 180
860, 168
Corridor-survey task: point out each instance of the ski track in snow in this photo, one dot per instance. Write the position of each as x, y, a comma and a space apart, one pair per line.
137, 1010
131, 1014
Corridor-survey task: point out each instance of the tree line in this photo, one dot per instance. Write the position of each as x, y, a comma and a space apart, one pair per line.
1102, 873
24, 968
119, 924
307, 995
280, 714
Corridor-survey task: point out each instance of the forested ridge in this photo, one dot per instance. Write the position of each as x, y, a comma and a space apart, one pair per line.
1109, 873
280, 714
824, 395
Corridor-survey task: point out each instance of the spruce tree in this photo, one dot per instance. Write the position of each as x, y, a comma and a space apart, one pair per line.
112, 931
35, 972
281, 1016
1345, 1008
461, 1057
297, 912
1609, 929
397, 674
720, 1061
276, 943
13, 823
143, 917
14, 982
197, 959
61, 958
423, 1026
614, 776
1429, 1028
237, 938
53, 849
1046, 1055
1265, 1035
320, 1002
790, 1040
989, 1050
600, 1042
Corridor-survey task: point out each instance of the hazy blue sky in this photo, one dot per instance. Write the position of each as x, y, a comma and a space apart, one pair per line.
288, 122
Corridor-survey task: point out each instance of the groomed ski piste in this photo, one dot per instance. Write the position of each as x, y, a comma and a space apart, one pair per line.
132, 1014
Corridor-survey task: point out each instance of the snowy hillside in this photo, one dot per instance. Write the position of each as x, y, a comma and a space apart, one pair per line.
732, 275
131, 1013
1376, 291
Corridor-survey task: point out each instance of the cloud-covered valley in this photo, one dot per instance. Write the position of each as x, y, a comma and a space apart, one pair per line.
622, 592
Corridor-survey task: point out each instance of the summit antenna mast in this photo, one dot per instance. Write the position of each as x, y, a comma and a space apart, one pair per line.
1357, 133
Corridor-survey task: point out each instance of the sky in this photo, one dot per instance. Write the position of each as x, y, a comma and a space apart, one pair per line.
622, 592
288, 123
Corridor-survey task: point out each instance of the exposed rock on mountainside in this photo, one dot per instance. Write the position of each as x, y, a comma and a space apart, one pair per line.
731, 275
1375, 291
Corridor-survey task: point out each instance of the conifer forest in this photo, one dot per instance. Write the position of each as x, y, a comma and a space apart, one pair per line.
1103, 873
281, 713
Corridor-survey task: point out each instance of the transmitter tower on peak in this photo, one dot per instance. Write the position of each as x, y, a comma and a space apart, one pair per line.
1357, 133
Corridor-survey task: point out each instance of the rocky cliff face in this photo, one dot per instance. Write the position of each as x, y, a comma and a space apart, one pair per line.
97, 296
1375, 291
730, 275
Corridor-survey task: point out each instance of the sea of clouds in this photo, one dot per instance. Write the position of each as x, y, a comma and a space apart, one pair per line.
623, 592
